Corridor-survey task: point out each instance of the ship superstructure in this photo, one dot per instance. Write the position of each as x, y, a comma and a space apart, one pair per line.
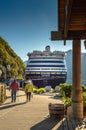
46, 67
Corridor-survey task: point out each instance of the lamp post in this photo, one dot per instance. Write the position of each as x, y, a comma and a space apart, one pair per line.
8, 72
0, 74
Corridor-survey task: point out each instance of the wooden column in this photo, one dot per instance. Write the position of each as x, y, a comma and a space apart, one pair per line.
77, 104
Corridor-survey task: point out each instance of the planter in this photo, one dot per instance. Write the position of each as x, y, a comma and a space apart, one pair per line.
56, 110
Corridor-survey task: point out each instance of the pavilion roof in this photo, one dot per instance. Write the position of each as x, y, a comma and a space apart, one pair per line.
71, 20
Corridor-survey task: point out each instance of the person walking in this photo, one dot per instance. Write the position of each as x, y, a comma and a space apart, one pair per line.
28, 89
14, 87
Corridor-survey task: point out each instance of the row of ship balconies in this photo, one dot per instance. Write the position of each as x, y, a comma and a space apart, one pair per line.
44, 68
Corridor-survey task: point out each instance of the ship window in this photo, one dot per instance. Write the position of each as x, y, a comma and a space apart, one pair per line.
45, 73
45, 68
34, 69
32, 72
61, 76
54, 68
53, 73
46, 61
37, 73
46, 65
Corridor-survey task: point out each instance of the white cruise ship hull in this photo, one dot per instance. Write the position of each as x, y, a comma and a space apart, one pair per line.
46, 68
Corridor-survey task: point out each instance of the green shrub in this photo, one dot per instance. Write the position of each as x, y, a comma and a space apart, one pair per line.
34, 90
67, 101
84, 99
83, 88
65, 89
39, 90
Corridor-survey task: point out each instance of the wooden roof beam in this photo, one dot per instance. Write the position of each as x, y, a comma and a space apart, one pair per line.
76, 34
68, 8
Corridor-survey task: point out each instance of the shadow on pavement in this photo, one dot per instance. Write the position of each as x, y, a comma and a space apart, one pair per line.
46, 124
66, 123
55, 98
11, 105
51, 95
16, 96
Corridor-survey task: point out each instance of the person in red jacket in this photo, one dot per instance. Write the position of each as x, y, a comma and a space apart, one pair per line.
14, 88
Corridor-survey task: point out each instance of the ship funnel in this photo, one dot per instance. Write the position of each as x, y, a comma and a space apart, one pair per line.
47, 48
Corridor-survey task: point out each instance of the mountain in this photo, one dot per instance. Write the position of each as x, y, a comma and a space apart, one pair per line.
10, 63
25, 62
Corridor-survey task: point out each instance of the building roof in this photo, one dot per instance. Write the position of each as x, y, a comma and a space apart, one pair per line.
72, 20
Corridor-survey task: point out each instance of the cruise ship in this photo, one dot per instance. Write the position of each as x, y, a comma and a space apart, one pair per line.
46, 68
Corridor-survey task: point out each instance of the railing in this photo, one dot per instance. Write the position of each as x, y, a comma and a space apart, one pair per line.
2, 93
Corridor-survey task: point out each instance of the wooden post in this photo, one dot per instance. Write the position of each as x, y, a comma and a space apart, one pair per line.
77, 103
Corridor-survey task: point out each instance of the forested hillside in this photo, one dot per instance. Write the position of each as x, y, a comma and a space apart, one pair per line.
10, 63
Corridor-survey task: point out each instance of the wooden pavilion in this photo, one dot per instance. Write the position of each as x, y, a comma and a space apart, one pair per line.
72, 26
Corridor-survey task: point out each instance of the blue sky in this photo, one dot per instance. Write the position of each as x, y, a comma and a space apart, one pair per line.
27, 24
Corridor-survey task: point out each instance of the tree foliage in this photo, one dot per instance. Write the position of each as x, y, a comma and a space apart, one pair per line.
9, 57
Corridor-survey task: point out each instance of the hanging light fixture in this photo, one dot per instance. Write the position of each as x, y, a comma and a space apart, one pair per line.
64, 42
85, 44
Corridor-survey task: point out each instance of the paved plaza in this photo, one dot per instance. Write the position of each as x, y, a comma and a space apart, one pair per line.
24, 115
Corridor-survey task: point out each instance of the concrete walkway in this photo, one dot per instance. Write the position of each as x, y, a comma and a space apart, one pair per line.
24, 115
